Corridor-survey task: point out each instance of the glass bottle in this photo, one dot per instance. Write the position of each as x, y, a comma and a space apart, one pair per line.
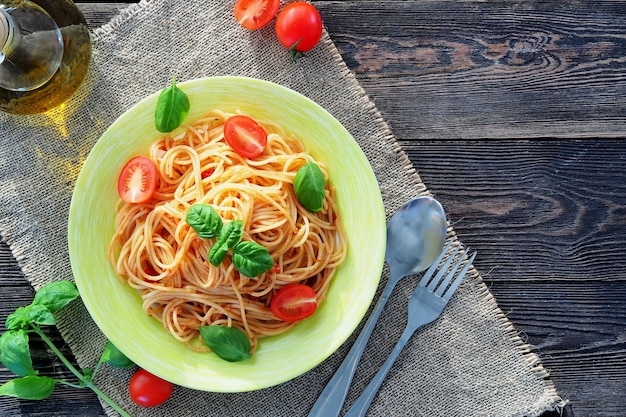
45, 50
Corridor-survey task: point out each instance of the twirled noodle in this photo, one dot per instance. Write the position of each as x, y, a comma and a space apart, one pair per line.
156, 252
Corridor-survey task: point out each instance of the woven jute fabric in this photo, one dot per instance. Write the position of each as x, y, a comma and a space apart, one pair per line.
470, 362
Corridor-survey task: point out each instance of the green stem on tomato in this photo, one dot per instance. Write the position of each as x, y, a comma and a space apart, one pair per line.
78, 374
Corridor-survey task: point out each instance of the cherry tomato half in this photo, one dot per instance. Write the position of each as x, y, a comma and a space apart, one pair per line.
245, 136
138, 180
300, 23
294, 302
254, 14
148, 390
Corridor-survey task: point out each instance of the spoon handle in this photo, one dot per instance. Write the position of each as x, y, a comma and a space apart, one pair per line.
331, 399
362, 404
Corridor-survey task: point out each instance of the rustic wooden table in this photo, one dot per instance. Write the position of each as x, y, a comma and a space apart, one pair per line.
544, 205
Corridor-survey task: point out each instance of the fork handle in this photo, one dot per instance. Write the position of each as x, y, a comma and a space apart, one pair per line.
362, 404
331, 399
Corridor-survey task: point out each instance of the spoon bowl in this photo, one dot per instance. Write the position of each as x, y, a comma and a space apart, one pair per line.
415, 237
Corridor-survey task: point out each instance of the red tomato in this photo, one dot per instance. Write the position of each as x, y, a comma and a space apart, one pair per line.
138, 180
245, 136
299, 26
254, 14
148, 390
294, 302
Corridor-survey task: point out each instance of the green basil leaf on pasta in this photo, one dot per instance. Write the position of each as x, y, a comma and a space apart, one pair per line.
218, 252
232, 233
309, 185
172, 108
228, 343
204, 220
56, 295
251, 259
15, 354
29, 387
114, 357
229, 237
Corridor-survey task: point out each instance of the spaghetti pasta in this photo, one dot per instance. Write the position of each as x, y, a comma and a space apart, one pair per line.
156, 252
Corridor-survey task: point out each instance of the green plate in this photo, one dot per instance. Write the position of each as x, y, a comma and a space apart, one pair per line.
116, 308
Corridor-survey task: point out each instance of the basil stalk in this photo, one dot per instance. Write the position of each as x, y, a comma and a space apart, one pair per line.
15, 352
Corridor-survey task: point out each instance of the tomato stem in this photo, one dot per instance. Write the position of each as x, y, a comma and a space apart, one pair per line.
295, 55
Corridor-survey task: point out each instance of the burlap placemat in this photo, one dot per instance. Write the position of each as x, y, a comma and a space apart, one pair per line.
471, 362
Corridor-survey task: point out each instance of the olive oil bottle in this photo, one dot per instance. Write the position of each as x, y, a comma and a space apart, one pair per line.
45, 50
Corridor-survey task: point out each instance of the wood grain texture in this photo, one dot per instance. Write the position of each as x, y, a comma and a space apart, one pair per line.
497, 69
547, 220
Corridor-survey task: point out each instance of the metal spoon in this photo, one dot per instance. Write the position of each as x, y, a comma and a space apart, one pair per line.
415, 237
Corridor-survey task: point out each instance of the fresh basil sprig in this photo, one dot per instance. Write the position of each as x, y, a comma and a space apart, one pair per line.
309, 185
249, 258
172, 108
229, 236
228, 343
15, 351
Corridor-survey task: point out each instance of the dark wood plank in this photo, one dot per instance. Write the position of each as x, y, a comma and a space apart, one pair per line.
547, 218
494, 69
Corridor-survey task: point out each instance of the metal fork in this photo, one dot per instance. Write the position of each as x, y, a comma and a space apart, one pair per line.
425, 305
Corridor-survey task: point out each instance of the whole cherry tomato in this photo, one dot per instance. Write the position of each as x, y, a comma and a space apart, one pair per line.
298, 27
148, 390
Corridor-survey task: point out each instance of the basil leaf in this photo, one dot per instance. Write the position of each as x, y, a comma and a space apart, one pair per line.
56, 295
39, 314
34, 313
18, 319
14, 353
114, 357
172, 108
251, 259
29, 387
228, 343
309, 185
218, 252
232, 233
205, 220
